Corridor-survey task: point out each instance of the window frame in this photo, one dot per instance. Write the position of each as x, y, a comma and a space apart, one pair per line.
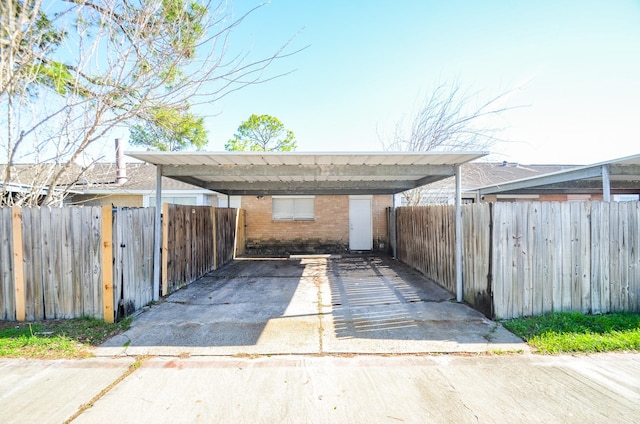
300, 214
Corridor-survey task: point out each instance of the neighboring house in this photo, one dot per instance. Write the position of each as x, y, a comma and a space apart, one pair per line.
102, 184
27, 184
480, 174
106, 184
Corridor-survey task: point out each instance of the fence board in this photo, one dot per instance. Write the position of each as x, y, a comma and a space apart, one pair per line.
37, 276
614, 259
118, 255
77, 272
7, 294
148, 239
606, 258
537, 257
86, 252
18, 264
548, 259
634, 257
476, 251
597, 253
108, 264
226, 233
624, 255
585, 256
522, 286
28, 265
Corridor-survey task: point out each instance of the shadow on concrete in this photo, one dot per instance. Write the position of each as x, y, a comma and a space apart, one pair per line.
373, 297
316, 304
228, 307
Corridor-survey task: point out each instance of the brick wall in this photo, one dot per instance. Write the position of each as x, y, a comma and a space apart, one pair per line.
328, 233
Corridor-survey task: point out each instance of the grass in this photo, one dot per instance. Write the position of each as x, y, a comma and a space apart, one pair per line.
578, 333
55, 339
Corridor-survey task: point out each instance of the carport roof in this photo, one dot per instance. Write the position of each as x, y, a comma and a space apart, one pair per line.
618, 176
262, 173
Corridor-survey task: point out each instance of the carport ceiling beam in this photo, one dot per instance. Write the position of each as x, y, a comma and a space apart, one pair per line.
430, 179
409, 171
309, 187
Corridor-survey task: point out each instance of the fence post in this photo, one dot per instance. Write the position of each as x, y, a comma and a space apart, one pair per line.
393, 224
107, 264
165, 248
235, 237
157, 235
458, 236
18, 266
215, 238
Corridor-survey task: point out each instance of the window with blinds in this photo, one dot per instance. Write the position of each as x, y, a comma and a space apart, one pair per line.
293, 208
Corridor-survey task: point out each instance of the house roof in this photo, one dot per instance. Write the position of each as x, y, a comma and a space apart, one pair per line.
622, 175
480, 174
256, 173
97, 178
141, 177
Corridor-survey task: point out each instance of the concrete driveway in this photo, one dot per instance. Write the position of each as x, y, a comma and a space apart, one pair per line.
311, 305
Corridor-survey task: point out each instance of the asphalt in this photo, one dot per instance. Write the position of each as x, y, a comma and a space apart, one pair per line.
311, 305
318, 340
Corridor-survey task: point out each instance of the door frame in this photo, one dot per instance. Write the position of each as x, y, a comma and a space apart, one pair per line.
370, 199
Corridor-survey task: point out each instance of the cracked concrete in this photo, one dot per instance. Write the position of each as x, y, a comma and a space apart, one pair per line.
324, 389
311, 305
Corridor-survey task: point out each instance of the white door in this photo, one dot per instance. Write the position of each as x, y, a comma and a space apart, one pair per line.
360, 223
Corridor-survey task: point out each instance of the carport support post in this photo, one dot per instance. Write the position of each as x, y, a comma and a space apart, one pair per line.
394, 229
606, 184
157, 235
458, 252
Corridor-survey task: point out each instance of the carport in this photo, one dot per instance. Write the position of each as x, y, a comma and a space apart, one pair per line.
617, 176
271, 173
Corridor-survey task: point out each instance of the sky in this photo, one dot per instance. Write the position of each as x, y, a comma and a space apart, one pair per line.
573, 66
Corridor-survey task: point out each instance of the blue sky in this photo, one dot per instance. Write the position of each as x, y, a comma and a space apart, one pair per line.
368, 64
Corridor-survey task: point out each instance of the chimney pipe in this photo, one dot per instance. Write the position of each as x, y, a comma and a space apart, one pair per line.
121, 165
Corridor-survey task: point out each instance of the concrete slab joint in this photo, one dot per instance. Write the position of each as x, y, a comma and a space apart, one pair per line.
316, 304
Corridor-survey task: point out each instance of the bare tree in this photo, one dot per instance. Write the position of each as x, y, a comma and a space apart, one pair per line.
72, 73
449, 119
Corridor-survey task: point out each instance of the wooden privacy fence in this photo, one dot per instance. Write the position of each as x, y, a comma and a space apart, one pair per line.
530, 258
98, 262
196, 240
60, 251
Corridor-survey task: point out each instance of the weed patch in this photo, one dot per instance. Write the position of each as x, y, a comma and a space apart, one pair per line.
55, 339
